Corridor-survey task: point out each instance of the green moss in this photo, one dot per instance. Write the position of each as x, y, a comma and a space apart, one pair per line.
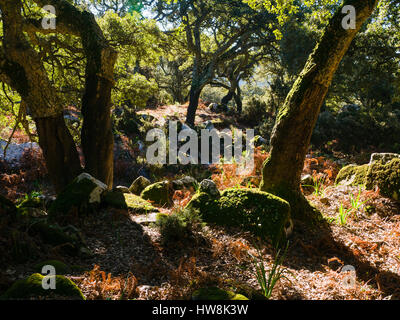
61, 267
157, 193
55, 235
386, 177
214, 293
259, 212
352, 175
127, 201
75, 195
32, 287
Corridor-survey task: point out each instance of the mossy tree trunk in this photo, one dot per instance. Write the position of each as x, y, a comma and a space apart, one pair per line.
22, 69
297, 117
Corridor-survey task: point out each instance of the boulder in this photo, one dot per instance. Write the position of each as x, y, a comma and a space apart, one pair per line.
383, 171
352, 175
32, 287
122, 189
60, 267
127, 201
139, 185
251, 209
83, 194
385, 176
186, 182
383, 157
157, 193
214, 293
208, 186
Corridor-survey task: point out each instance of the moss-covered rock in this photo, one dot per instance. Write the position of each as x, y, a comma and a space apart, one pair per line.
386, 176
214, 293
127, 201
259, 212
157, 193
83, 193
32, 287
139, 185
352, 175
69, 238
61, 267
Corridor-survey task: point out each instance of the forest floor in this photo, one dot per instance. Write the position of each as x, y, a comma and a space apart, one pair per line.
130, 248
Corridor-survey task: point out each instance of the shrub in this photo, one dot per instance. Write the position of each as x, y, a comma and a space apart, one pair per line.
179, 225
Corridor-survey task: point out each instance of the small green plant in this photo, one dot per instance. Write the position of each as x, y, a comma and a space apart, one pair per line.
343, 215
277, 272
318, 186
355, 201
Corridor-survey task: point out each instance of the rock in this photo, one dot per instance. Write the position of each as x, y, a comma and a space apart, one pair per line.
122, 189
68, 237
15, 151
157, 193
83, 194
260, 141
209, 125
251, 209
139, 185
32, 287
208, 186
213, 107
383, 171
307, 180
60, 267
383, 157
214, 293
146, 219
186, 182
385, 176
352, 175
127, 201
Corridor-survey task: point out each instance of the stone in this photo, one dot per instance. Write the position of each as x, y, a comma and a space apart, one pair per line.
383, 157
157, 193
253, 210
139, 185
127, 201
208, 186
122, 189
83, 194
385, 176
32, 287
352, 175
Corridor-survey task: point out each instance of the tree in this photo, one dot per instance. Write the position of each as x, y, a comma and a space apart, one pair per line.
216, 31
23, 69
297, 117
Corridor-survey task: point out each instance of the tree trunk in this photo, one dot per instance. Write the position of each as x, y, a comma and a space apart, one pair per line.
238, 100
62, 159
194, 96
225, 100
97, 137
297, 117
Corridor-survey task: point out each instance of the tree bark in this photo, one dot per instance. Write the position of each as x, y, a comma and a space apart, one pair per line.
62, 159
23, 70
194, 97
297, 117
